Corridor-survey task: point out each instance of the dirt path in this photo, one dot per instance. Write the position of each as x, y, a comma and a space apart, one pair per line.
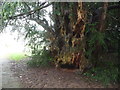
19, 75
8, 80
50, 77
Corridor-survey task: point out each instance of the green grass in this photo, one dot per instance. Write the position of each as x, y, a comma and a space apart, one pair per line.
16, 56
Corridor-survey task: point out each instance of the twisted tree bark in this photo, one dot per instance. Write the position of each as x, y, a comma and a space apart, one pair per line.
70, 27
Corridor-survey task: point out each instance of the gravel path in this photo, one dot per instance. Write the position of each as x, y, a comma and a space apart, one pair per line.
8, 79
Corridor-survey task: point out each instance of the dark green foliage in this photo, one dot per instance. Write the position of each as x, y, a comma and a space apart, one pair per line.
107, 73
107, 40
41, 60
94, 37
113, 30
38, 43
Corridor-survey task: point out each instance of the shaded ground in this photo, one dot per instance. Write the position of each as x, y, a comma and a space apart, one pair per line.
8, 80
50, 77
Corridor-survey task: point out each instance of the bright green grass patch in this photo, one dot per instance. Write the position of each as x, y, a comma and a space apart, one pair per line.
17, 56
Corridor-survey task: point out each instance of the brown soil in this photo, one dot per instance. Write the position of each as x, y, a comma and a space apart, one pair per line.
50, 77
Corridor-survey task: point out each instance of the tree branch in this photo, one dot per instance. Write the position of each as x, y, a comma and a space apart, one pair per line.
44, 24
30, 12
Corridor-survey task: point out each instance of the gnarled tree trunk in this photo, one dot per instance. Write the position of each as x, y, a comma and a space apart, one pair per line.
69, 29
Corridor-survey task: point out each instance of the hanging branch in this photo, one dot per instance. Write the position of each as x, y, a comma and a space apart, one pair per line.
30, 12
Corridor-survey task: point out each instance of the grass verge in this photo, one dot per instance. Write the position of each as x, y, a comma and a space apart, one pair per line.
16, 56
